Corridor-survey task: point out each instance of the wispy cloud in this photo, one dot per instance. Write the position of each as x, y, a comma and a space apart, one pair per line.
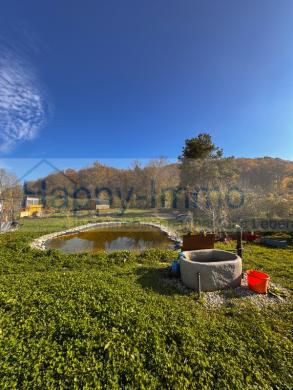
23, 103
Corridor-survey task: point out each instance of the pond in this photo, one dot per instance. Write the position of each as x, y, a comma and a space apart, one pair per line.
112, 238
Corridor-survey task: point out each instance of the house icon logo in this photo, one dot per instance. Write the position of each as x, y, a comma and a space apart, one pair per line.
42, 192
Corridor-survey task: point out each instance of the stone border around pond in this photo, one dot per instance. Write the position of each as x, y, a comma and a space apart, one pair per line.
40, 242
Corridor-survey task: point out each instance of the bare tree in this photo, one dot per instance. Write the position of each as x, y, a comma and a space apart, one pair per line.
10, 196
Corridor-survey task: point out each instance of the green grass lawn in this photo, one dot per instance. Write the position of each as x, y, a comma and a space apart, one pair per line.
109, 321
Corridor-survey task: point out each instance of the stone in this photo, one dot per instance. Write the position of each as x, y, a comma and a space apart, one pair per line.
218, 269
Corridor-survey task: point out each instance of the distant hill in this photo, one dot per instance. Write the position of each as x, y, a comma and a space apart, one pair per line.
266, 175
270, 173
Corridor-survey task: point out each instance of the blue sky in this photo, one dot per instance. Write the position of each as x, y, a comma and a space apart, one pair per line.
134, 79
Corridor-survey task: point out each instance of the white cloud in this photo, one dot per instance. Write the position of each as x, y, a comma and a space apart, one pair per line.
23, 106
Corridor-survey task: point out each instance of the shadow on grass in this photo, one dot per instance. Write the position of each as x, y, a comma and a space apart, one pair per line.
158, 280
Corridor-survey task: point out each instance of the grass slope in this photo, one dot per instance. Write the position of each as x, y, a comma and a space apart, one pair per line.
108, 321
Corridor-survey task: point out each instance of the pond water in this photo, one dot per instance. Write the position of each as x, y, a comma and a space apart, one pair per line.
112, 238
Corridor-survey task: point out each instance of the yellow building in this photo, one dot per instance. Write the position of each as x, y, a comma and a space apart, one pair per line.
32, 207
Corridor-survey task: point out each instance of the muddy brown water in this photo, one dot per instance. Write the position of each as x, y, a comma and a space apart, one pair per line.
111, 238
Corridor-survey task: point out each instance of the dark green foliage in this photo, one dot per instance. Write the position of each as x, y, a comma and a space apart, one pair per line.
200, 147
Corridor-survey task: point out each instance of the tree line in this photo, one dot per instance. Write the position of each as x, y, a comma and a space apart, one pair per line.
199, 181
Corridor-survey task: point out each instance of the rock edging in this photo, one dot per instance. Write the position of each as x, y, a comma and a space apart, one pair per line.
40, 242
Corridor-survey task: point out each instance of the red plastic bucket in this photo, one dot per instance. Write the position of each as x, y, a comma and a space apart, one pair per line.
258, 281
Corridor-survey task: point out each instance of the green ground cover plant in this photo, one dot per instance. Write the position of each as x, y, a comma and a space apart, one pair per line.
108, 321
